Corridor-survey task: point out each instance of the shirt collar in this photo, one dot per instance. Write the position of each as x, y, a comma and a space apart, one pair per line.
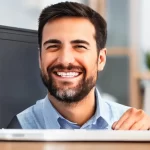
101, 108
51, 115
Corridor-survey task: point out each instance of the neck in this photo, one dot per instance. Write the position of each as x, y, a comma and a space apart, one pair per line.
78, 113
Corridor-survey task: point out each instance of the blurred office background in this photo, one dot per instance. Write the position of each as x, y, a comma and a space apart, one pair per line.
126, 77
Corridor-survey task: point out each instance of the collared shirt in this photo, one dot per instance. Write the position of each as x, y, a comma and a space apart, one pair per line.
43, 115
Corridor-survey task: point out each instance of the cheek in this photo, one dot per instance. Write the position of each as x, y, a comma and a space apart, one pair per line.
46, 61
91, 60
90, 65
94, 69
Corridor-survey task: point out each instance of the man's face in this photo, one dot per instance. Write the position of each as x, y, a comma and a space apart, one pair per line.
69, 60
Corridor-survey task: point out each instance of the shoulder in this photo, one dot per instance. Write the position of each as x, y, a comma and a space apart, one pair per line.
116, 109
32, 117
117, 106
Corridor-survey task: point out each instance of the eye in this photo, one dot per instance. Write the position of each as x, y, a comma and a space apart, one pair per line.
80, 47
52, 47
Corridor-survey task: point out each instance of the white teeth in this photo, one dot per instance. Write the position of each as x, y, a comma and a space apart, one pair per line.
68, 74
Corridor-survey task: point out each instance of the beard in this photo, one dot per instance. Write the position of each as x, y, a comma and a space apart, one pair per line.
64, 93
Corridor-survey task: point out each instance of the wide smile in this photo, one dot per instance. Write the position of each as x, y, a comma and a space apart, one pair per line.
66, 75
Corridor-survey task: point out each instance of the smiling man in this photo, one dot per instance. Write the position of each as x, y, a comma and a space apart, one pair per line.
72, 51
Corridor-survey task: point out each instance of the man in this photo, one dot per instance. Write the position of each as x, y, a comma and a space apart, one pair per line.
72, 40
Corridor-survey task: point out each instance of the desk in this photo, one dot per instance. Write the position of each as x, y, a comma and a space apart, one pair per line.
74, 146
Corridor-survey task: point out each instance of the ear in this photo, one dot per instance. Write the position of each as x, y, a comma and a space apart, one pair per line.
102, 59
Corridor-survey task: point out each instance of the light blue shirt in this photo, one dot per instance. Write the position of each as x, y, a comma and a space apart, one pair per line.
43, 115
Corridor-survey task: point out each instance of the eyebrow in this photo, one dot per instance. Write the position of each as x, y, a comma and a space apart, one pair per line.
78, 41
54, 41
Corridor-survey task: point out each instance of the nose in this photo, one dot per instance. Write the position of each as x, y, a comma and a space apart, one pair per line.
66, 56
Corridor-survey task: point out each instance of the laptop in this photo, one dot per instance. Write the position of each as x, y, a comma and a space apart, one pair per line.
72, 135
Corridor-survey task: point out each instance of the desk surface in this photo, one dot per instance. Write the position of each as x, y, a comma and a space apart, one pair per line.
74, 145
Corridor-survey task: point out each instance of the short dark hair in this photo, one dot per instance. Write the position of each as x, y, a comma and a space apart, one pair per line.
73, 9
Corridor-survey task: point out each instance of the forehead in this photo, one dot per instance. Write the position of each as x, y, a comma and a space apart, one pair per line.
69, 27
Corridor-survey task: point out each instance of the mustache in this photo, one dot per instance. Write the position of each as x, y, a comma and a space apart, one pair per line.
70, 67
